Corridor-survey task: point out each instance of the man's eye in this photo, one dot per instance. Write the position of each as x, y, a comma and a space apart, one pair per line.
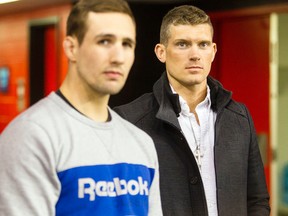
204, 44
104, 42
127, 44
181, 44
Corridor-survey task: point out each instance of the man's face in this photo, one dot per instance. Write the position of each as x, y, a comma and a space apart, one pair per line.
106, 55
188, 54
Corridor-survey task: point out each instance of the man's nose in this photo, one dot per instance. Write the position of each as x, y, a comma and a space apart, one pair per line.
118, 54
194, 53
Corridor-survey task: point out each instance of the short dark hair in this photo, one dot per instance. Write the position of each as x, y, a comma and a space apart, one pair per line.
182, 15
76, 23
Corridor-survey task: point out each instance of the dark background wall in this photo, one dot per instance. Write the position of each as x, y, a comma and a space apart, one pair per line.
146, 69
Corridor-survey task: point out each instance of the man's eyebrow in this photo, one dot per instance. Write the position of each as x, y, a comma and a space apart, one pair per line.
204, 40
130, 40
181, 40
127, 39
105, 35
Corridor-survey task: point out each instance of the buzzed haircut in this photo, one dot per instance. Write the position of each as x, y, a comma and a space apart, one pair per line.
182, 15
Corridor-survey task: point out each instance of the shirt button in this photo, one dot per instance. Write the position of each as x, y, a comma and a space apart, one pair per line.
194, 180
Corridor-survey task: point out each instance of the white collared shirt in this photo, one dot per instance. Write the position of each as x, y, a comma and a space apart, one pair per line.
204, 134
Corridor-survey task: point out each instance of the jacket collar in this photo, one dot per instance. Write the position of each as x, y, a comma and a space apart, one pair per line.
169, 106
220, 97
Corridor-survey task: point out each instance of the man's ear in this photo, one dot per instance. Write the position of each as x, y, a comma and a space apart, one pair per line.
70, 46
214, 51
160, 52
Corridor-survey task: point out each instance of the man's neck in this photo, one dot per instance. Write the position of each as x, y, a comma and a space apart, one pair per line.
193, 96
93, 106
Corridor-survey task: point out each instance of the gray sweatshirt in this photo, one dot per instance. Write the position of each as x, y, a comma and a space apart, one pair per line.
56, 161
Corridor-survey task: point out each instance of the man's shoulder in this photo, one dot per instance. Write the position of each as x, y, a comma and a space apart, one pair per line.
138, 108
237, 107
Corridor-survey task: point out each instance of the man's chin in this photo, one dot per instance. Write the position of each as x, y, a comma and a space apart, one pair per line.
115, 91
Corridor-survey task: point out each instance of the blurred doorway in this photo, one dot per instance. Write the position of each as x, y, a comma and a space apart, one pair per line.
43, 57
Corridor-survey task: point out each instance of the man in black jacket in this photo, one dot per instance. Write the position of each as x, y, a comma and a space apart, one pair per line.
206, 142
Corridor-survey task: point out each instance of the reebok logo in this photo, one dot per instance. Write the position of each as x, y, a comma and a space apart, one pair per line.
117, 187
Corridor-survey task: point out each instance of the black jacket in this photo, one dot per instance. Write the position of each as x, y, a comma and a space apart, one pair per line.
240, 179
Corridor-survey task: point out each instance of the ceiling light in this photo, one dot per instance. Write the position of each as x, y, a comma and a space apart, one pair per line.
7, 1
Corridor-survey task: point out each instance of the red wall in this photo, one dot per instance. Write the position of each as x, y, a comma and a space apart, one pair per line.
14, 53
242, 66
